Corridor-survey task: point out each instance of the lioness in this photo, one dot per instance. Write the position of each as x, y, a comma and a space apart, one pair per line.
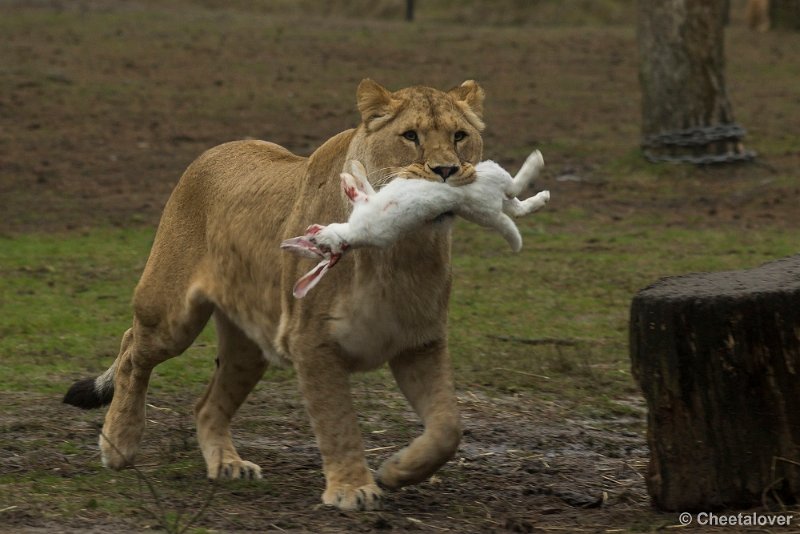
217, 253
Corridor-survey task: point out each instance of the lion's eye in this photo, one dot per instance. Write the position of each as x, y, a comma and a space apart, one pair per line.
411, 135
459, 136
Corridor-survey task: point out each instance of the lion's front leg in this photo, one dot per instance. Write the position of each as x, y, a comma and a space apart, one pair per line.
325, 386
425, 378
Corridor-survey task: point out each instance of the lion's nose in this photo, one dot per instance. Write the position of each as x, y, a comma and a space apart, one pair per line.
445, 171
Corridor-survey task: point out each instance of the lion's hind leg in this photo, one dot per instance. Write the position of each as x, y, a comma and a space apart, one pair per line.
163, 327
240, 365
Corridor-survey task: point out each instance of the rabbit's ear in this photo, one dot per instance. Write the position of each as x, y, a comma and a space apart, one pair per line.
311, 279
302, 246
357, 168
359, 172
354, 188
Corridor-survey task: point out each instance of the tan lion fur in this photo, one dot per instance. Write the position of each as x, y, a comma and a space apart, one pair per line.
216, 253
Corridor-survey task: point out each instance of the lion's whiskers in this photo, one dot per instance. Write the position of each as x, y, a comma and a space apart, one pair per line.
386, 177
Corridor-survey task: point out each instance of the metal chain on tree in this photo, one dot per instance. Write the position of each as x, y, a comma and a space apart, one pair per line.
696, 145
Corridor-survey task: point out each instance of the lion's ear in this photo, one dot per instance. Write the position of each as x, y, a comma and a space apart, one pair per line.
469, 96
374, 103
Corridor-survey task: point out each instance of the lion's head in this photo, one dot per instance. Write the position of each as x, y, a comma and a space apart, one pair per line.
419, 132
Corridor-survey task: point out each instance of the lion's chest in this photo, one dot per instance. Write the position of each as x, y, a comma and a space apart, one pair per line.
377, 324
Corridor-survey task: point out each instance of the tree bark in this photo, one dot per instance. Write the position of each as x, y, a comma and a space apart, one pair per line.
682, 75
785, 14
718, 357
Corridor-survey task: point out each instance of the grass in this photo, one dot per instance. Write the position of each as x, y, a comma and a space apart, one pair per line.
65, 304
124, 494
550, 321
572, 284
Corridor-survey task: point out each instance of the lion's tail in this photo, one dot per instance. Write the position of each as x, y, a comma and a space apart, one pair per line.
92, 392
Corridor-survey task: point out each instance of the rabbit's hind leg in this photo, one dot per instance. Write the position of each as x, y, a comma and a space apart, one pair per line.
518, 208
529, 170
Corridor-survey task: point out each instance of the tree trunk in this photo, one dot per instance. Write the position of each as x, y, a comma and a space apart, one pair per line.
718, 357
681, 72
785, 14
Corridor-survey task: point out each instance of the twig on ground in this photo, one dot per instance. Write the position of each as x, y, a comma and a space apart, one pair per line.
632, 468
197, 515
536, 341
163, 520
534, 375
375, 449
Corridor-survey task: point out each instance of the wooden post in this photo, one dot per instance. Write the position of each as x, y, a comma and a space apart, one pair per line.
718, 359
410, 10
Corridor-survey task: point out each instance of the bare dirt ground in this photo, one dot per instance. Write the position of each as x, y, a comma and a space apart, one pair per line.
520, 468
78, 149
104, 107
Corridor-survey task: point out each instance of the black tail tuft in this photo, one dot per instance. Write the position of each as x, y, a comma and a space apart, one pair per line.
85, 394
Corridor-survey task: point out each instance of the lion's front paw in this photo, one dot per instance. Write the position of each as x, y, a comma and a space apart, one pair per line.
235, 470
346, 497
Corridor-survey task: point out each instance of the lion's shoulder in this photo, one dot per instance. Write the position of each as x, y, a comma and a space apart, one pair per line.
328, 160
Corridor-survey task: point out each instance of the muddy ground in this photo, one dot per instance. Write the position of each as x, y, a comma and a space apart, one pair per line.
101, 113
520, 468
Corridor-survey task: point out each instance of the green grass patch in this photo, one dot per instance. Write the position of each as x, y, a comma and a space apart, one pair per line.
64, 305
553, 320
549, 321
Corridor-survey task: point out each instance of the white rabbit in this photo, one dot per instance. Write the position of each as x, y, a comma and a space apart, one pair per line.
380, 218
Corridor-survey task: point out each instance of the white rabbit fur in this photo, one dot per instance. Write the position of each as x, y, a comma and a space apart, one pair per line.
380, 218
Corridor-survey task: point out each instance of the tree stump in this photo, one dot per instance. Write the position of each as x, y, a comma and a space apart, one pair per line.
717, 356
